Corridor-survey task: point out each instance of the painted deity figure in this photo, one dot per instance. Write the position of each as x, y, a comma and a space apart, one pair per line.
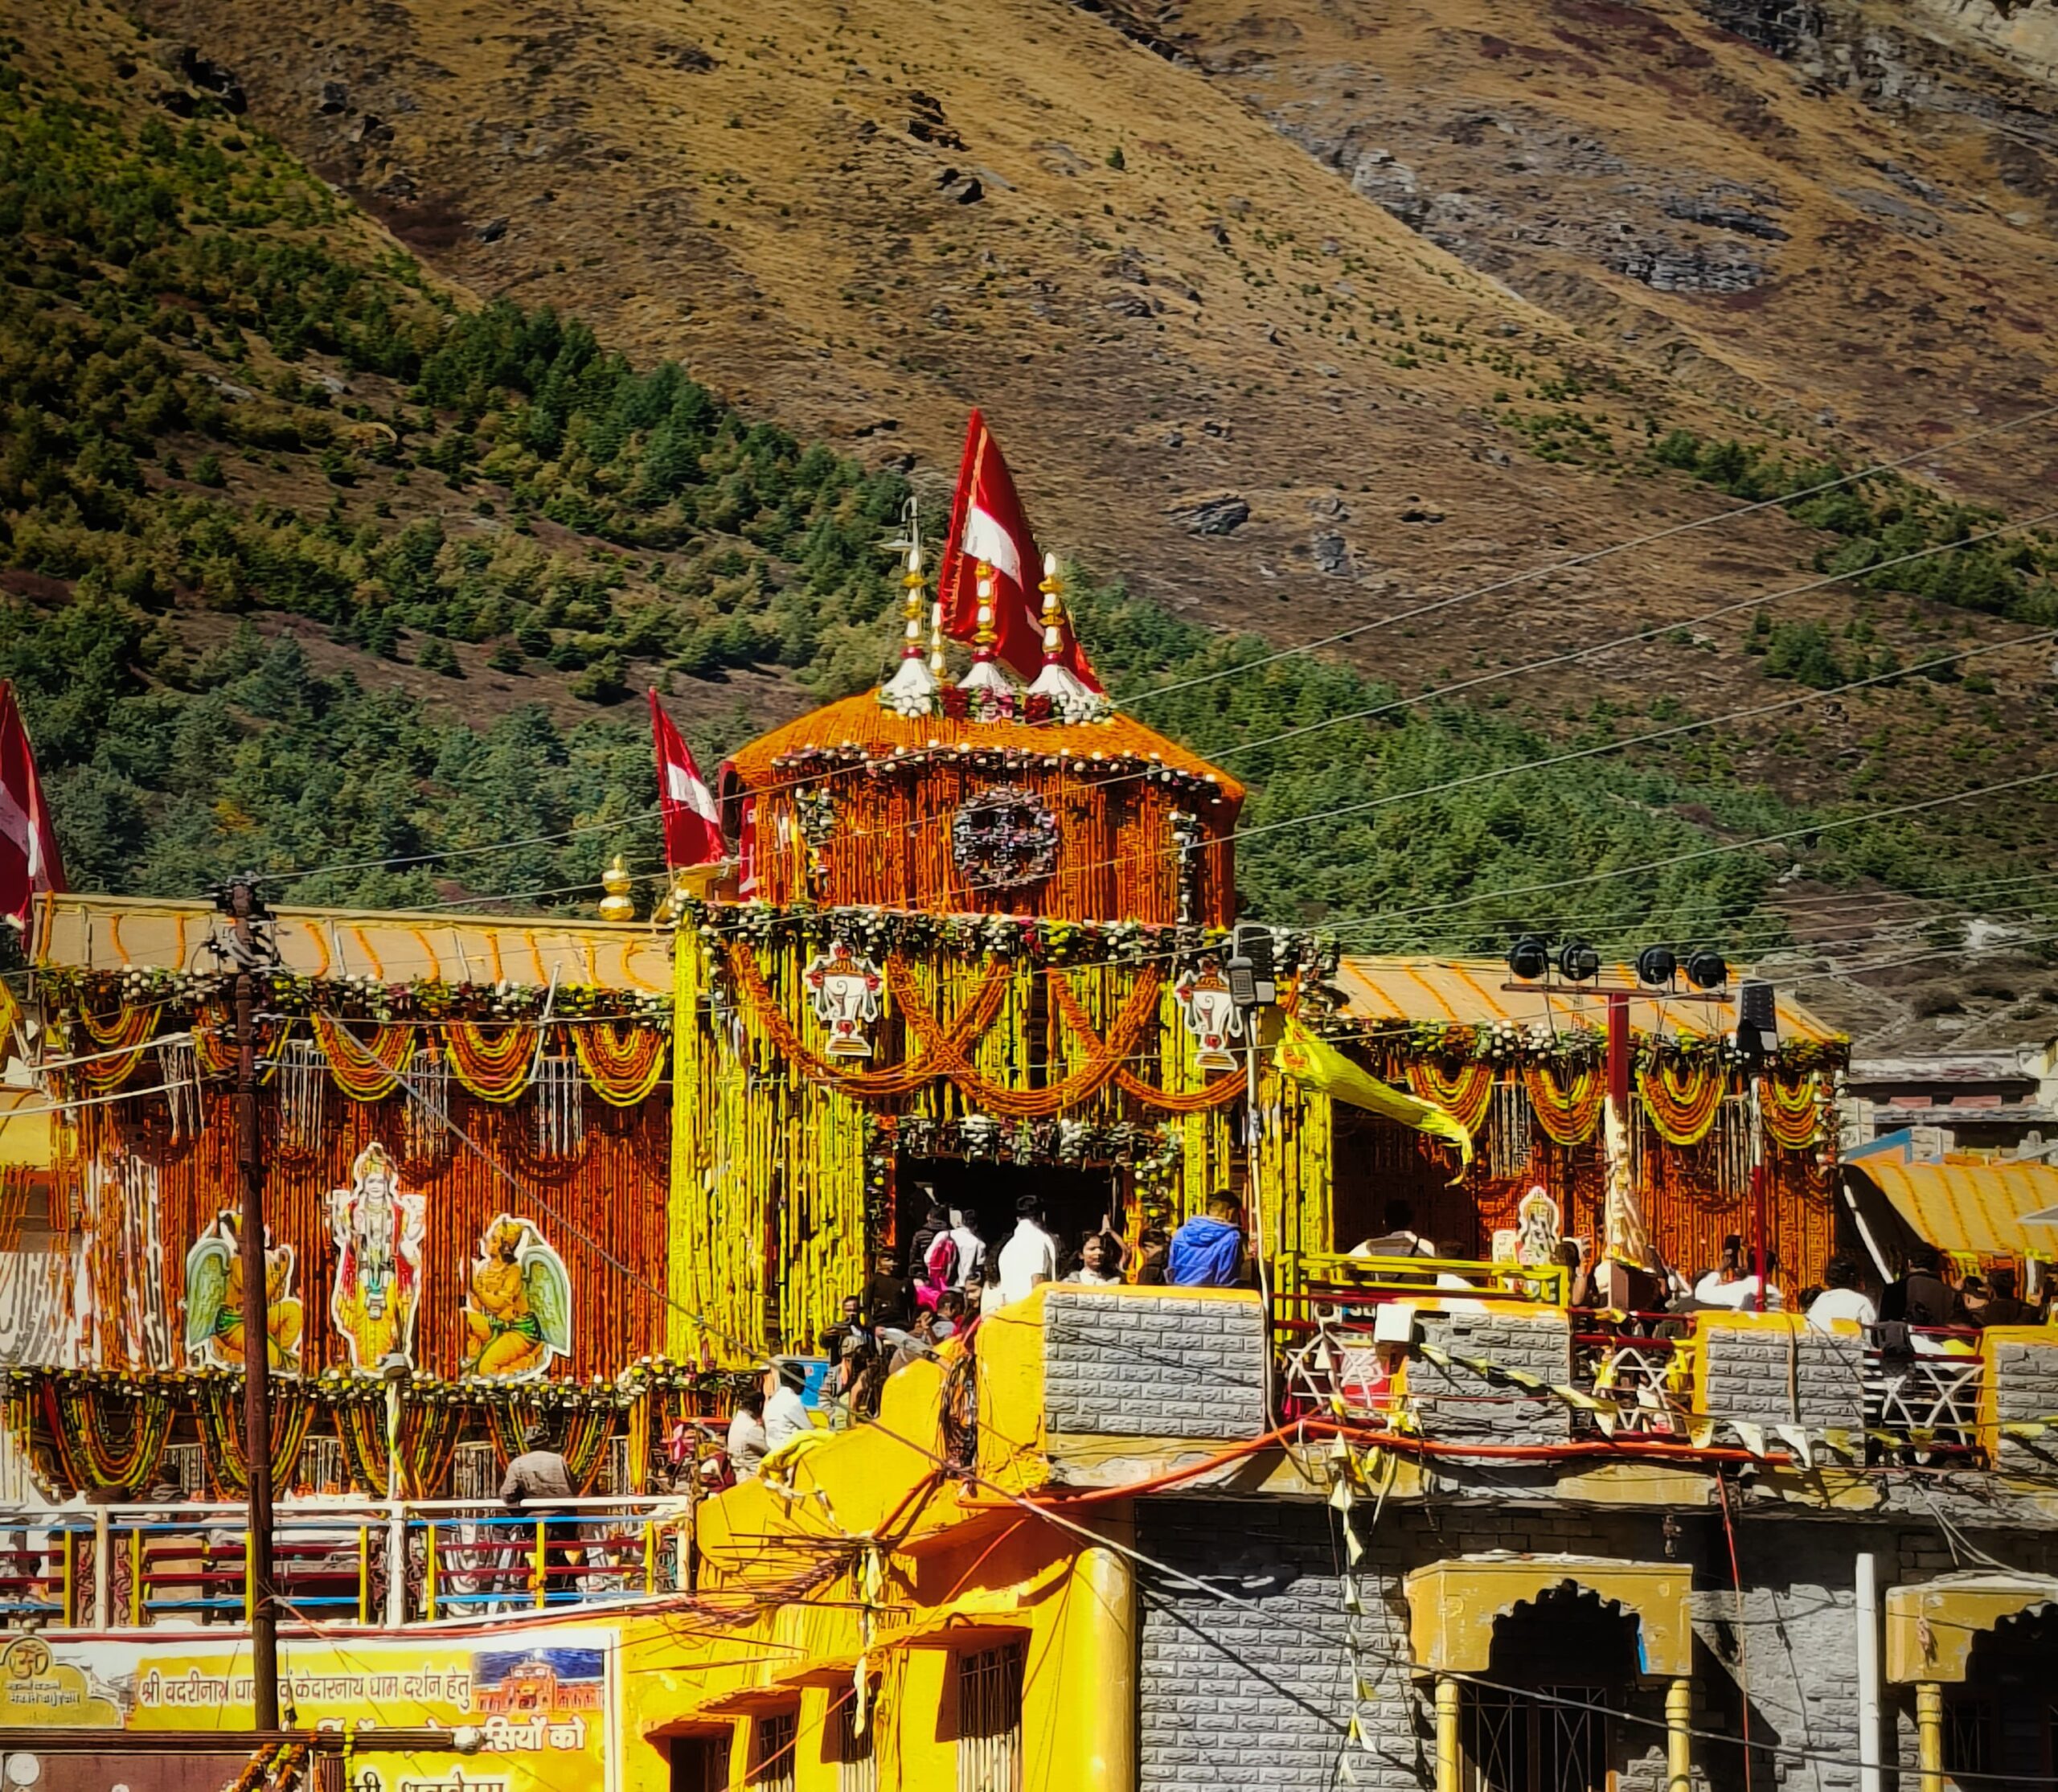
214, 1301
377, 1289
519, 1314
1533, 1241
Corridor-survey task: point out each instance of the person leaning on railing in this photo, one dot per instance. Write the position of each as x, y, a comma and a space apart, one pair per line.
540, 1474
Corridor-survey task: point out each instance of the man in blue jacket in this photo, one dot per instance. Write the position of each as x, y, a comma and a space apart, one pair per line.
1208, 1251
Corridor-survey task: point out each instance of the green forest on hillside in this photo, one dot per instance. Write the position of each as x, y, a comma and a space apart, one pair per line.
226, 399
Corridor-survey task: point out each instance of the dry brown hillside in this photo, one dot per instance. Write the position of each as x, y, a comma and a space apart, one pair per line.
1295, 315
1222, 370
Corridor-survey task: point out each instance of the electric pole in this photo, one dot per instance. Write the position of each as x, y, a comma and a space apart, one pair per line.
245, 950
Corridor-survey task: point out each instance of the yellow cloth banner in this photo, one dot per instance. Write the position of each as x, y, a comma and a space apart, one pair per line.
1315, 1064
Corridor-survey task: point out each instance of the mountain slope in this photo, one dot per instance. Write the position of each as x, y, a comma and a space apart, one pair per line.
314, 563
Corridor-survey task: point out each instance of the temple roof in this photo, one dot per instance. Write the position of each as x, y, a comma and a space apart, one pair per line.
1475, 992
863, 727
107, 932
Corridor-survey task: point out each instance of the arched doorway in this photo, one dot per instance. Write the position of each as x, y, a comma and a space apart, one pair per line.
1541, 1718
2002, 1719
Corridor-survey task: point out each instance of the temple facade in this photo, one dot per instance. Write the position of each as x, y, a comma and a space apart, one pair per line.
1405, 1514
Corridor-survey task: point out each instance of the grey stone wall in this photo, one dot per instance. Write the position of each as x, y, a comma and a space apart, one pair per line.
1810, 1379
1151, 1366
1452, 1401
1257, 1693
2026, 1392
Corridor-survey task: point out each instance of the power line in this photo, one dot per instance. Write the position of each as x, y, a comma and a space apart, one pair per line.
1589, 559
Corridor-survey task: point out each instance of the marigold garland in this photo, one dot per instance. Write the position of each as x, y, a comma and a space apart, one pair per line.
493, 1062
623, 1063
126, 1037
1103, 1057
1682, 1099
76, 1414
219, 1410
365, 1070
981, 1009
1567, 1111
1792, 1119
1465, 1097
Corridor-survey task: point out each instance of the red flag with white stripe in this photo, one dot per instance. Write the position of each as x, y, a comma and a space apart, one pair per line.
29, 858
693, 827
988, 526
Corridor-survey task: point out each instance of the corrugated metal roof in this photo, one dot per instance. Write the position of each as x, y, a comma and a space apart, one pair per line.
1471, 991
1974, 1208
99, 933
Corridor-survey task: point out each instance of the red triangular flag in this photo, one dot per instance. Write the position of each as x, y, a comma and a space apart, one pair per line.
693, 827
29, 858
987, 524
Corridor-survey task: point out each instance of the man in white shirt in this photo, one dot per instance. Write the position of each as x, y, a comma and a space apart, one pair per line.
1740, 1295
785, 1412
1030, 1256
1841, 1298
747, 1443
971, 1251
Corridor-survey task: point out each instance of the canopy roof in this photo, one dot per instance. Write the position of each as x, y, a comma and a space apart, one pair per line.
101, 932
1977, 1209
864, 725
1474, 992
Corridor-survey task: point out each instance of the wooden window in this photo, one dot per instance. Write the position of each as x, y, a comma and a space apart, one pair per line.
857, 1760
773, 1742
990, 1720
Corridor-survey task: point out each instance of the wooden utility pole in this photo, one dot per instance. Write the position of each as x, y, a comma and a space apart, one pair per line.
243, 907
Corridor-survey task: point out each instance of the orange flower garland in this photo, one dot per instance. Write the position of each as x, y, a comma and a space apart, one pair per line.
1791, 1118
1682, 1099
1465, 1097
493, 1063
126, 1037
365, 1070
1103, 1057
978, 1014
1567, 1112
622, 1063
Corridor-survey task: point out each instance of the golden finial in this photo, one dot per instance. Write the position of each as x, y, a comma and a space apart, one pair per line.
1053, 612
615, 904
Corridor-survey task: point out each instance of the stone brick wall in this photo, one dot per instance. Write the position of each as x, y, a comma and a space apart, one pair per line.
1780, 1377
1257, 1692
2026, 1392
1452, 1401
1150, 1366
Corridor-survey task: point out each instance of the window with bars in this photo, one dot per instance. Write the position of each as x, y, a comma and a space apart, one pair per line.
1968, 1736
1515, 1742
857, 1765
990, 1720
773, 1743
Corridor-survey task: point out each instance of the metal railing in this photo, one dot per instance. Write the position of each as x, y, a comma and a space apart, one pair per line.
185, 1564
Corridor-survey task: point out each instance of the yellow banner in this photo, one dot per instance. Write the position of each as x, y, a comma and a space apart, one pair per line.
1316, 1064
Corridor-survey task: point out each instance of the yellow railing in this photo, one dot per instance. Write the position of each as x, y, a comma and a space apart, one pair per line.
1325, 1276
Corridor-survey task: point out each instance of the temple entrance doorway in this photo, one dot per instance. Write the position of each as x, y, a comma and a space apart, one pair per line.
2002, 1721
1076, 1199
1532, 1730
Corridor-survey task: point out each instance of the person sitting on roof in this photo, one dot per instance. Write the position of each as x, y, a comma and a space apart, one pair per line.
1208, 1251
1841, 1298
785, 1412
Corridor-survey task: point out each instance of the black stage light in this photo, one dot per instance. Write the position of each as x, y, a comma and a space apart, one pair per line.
1529, 958
1705, 970
1656, 966
1577, 961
